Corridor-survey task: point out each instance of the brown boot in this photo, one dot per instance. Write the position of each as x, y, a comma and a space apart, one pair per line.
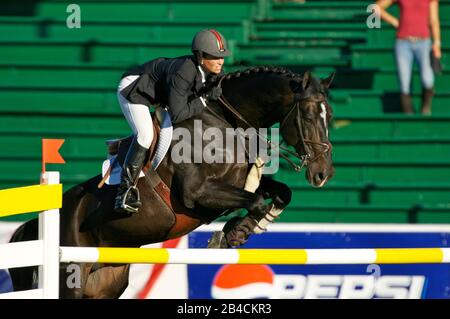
406, 102
427, 97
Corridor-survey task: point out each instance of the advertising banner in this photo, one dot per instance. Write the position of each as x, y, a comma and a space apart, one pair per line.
406, 281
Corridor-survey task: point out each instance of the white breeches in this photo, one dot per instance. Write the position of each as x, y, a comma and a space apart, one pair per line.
137, 115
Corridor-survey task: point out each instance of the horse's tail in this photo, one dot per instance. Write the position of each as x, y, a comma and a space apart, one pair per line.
25, 278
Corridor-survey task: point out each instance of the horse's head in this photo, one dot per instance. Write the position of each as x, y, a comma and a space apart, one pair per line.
304, 125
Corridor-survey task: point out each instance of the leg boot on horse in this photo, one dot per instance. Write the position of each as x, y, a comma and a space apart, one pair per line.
127, 199
238, 229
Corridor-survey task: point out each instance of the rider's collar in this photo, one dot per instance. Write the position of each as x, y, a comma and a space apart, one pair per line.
202, 73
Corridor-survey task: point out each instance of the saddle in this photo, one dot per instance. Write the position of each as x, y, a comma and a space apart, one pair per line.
120, 147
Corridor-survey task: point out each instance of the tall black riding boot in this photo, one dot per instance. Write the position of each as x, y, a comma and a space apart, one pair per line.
127, 199
427, 97
406, 102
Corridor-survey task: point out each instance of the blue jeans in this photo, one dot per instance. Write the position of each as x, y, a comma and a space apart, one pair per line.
406, 52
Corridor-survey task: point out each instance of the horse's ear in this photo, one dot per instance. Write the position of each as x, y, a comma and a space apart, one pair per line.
327, 82
306, 79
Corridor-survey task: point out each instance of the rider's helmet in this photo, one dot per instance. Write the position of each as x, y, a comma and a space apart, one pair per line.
211, 42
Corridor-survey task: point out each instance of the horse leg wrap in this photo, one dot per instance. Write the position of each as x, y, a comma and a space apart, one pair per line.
238, 229
218, 240
268, 218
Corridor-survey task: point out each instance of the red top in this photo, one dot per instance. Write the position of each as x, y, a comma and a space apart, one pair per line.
414, 18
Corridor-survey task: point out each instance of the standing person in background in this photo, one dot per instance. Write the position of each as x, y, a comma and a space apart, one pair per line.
419, 20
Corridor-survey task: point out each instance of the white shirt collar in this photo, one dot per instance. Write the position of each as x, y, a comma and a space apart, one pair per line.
202, 73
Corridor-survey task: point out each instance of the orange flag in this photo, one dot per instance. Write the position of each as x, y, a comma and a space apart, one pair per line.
50, 152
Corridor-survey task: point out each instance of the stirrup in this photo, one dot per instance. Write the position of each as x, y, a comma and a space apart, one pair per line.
127, 207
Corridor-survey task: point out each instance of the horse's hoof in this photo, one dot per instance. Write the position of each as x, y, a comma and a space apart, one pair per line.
238, 229
218, 240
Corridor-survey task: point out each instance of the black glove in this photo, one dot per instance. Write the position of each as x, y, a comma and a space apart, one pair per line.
214, 93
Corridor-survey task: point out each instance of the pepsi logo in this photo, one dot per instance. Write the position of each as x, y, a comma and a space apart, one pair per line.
243, 282
260, 281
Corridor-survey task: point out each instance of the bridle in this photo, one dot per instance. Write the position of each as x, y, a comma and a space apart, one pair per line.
306, 158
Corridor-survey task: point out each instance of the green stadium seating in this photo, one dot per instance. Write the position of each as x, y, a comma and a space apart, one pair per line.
144, 32
379, 102
49, 101
316, 11
371, 193
279, 30
289, 54
365, 214
392, 126
155, 11
63, 52
379, 79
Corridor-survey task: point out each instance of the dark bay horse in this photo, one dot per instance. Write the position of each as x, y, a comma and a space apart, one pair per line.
199, 192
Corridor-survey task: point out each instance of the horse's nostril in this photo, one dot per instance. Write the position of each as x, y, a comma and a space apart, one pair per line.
318, 178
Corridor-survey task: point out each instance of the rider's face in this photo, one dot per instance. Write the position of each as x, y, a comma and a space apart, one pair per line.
212, 64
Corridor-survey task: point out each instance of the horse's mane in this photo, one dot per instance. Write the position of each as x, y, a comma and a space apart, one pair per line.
260, 69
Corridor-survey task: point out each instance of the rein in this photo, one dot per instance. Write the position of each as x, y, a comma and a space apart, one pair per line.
305, 159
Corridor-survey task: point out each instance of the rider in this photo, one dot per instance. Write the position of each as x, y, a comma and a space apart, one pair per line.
173, 82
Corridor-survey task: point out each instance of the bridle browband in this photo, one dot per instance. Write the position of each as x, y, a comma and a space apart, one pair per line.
306, 158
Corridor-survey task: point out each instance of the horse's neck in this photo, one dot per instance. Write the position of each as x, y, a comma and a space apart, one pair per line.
219, 111
257, 115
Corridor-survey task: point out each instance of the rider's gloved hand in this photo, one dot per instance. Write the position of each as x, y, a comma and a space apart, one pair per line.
214, 93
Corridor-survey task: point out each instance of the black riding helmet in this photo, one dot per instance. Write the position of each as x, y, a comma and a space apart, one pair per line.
211, 42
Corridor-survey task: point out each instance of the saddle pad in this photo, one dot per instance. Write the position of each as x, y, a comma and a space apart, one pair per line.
114, 177
165, 137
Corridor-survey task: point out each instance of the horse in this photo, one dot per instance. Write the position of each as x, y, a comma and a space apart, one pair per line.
184, 195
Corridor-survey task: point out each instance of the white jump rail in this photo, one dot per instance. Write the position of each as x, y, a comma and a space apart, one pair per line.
256, 256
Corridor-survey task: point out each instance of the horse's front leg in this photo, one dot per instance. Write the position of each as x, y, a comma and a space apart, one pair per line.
216, 195
279, 192
237, 230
